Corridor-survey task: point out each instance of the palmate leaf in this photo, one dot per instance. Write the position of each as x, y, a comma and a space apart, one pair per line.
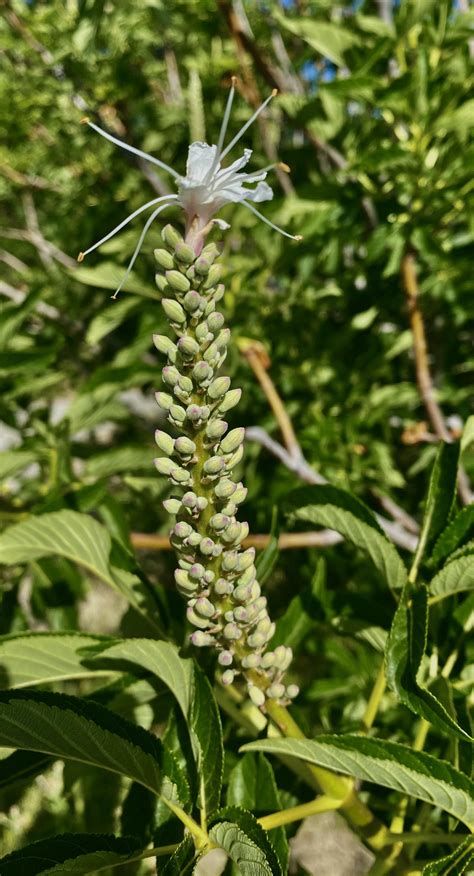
238, 832
456, 577
42, 658
79, 538
72, 854
195, 698
70, 728
339, 510
389, 764
454, 864
405, 650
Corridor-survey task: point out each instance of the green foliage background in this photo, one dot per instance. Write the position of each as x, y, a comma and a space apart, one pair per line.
381, 166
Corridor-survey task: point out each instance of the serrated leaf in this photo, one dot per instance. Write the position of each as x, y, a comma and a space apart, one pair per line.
238, 832
252, 786
339, 510
74, 729
405, 651
72, 854
330, 40
454, 533
454, 864
196, 701
388, 764
180, 861
440, 498
42, 658
456, 577
77, 537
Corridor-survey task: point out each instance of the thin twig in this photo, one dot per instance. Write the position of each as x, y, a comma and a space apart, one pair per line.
423, 374
40, 242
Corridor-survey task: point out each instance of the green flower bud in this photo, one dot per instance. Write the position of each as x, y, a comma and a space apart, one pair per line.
215, 322
185, 383
184, 253
163, 344
184, 446
192, 300
292, 691
256, 695
231, 632
232, 441
268, 659
201, 640
256, 640
164, 465
164, 400
185, 586
222, 587
201, 372
164, 259
276, 691
180, 476
218, 522
202, 333
177, 413
207, 546
213, 276
182, 529
197, 571
229, 561
246, 559
161, 282
164, 442
211, 353
178, 281
171, 237
230, 400
210, 252
218, 387
172, 506
232, 534
224, 488
251, 661
225, 658
170, 375
194, 539
173, 310
204, 607
213, 466
202, 266
216, 429
195, 619
228, 676
188, 347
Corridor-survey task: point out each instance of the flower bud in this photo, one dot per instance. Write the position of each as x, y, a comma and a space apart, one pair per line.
223, 338
276, 691
206, 546
189, 499
185, 383
209, 576
240, 494
229, 561
224, 488
218, 522
171, 237
164, 442
218, 387
184, 253
222, 587
196, 571
225, 658
232, 440
228, 676
201, 371
165, 401
236, 457
230, 400
182, 529
192, 301
202, 503
251, 661
201, 622
170, 375
177, 413
188, 347
164, 344
201, 640
232, 534
246, 559
292, 691
184, 446
231, 632
204, 607
185, 586
210, 252
215, 321
268, 659
256, 695
216, 429
164, 259
241, 614
214, 465
213, 276
194, 539
178, 281
256, 640
164, 465
219, 293
180, 476
172, 506
173, 310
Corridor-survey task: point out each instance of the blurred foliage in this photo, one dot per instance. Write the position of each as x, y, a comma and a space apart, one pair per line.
374, 118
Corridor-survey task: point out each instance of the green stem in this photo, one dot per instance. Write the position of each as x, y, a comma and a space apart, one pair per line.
375, 699
297, 813
201, 838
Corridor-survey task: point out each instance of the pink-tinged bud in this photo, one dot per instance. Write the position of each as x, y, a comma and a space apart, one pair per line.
201, 640
232, 632
182, 529
228, 676
204, 607
292, 691
195, 619
225, 658
172, 506
251, 661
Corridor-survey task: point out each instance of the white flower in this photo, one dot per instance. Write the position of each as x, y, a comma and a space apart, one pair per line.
206, 188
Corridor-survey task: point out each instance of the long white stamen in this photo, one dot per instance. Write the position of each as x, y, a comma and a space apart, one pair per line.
139, 244
132, 149
267, 222
247, 124
117, 228
223, 132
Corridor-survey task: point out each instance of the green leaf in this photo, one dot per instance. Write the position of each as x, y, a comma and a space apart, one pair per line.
302, 612
454, 533
456, 577
330, 40
108, 275
77, 537
73, 854
441, 496
339, 510
238, 832
109, 319
252, 786
42, 658
13, 461
405, 651
74, 729
267, 559
384, 763
454, 864
461, 119
195, 699
180, 861
20, 766
120, 459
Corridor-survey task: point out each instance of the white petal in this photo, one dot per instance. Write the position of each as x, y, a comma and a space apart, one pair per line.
236, 165
200, 160
222, 224
263, 192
